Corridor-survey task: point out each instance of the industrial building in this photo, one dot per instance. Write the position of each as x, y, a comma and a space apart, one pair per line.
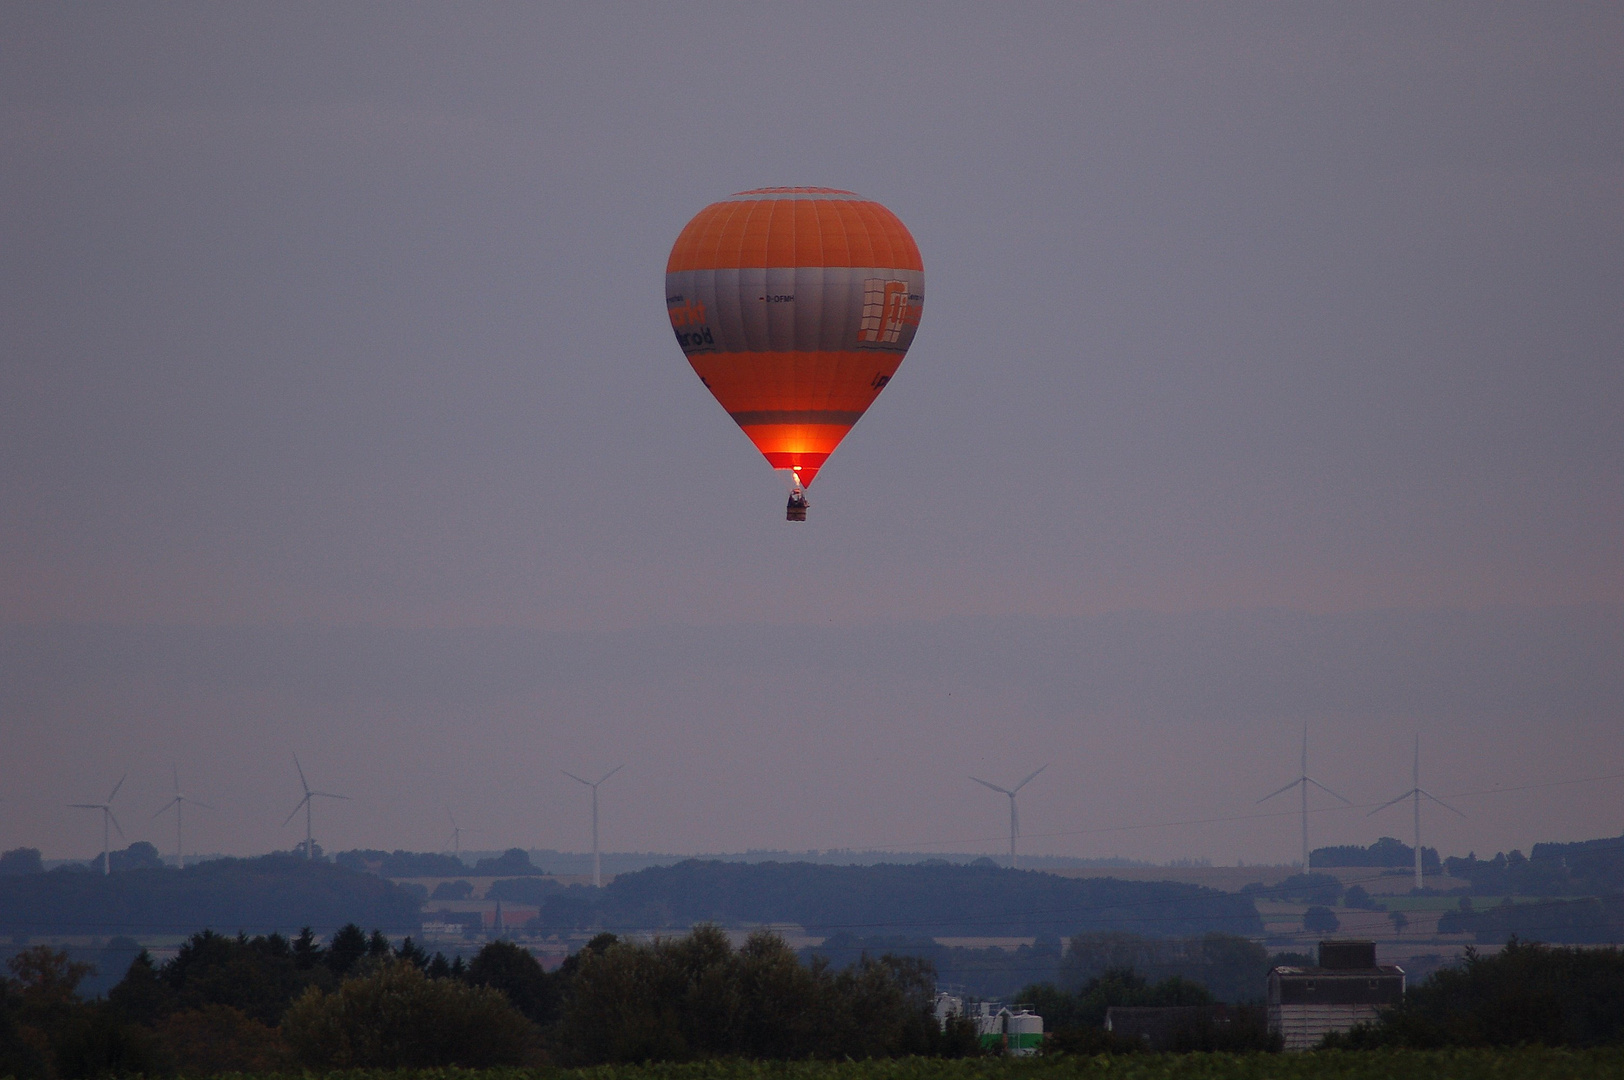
1014, 1028
1348, 987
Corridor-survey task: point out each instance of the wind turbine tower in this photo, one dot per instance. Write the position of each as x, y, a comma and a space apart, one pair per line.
1303, 781
1415, 793
597, 868
106, 809
1014, 815
178, 802
456, 834
305, 804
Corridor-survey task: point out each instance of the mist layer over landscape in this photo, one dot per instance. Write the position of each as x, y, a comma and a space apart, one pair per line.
867, 742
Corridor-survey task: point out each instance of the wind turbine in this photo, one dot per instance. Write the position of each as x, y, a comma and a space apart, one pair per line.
178, 802
1014, 815
456, 833
597, 870
1415, 793
106, 809
1304, 780
305, 804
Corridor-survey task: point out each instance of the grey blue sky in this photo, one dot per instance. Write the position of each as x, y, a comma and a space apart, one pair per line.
1271, 371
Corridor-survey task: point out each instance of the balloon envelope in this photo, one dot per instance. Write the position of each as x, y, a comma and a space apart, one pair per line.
795, 307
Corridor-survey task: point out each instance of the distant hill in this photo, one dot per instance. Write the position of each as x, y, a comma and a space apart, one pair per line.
273, 892
917, 900
578, 863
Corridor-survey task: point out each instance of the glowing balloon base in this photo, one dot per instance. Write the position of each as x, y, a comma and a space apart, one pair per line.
796, 510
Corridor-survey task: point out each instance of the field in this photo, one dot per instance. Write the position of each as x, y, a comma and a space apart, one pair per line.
1363, 1065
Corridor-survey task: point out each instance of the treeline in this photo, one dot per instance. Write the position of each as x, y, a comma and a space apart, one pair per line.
271, 1003
1587, 868
266, 1003
1386, 852
1588, 921
138, 856
1528, 993
1074, 1021
910, 901
399, 864
267, 893
1213, 986
991, 973
1229, 968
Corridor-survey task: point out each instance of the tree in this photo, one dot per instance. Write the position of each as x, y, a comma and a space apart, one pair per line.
346, 949
1308, 888
217, 1039
452, 890
20, 861
505, 966
141, 996
696, 997
258, 976
413, 954
1528, 993
395, 1017
1320, 920
307, 950
47, 977
1232, 968
61, 1036
138, 856
513, 862
23, 1053
1357, 897
1399, 921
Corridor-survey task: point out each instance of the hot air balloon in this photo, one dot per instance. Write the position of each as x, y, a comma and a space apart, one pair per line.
795, 306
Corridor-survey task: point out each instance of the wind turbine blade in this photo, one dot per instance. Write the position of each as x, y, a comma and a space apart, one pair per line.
116, 786
1029, 779
452, 816
167, 805
302, 782
114, 819
176, 774
1281, 791
296, 810
1390, 802
995, 787
1440, 802
327, 795
1327, 790
194, 802
577, 779
612, 772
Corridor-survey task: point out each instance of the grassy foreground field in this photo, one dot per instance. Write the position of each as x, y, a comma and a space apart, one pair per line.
1544, 1064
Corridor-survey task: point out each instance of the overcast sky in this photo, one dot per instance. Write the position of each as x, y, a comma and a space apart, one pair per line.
1271, 372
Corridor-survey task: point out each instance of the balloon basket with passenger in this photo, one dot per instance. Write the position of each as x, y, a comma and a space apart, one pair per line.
796, 510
